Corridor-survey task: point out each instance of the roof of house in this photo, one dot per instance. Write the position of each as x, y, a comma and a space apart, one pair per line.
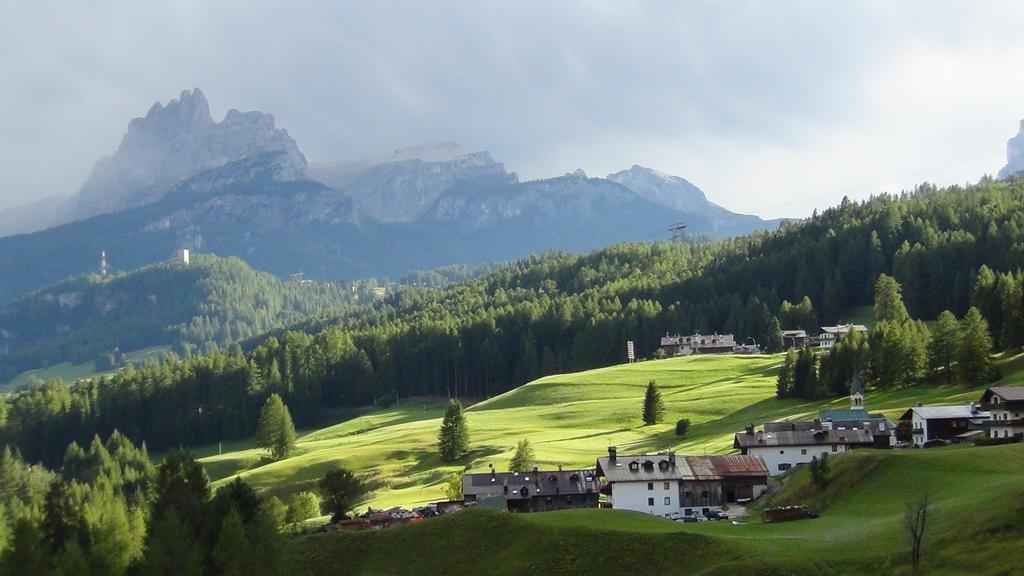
945, 412
540, 482
1005, 393
847, 415
793, 333
844, 328
640, 467
802, 438
736, 465
685, 468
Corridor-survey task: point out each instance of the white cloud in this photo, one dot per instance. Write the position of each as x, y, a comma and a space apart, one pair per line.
760, 104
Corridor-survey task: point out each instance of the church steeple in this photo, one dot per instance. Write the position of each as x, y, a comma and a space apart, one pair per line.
856, 393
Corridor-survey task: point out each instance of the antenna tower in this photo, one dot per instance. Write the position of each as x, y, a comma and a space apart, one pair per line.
678, 231
104, 271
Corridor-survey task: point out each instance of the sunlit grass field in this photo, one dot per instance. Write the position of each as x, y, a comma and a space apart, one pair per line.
569, 419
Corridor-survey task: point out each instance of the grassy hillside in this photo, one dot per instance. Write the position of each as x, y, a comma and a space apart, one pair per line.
976, 526
570, 419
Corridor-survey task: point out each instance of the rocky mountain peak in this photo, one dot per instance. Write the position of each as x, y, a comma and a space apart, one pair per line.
1014, 154
665, 189
175, 141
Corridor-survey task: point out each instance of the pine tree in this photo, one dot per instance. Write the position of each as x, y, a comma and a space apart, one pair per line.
942, 350
276, 431
523, 458
805, 375
453, 439
231, 553
973, 359
889, 301
784, 382
654, 406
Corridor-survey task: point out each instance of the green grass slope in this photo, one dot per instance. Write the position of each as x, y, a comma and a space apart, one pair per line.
976, 526
569, 419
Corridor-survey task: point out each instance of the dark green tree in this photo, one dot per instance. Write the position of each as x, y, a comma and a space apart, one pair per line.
654, 406
340, 489
276, 431
784, 381
974, 361
943, 347
889, 305
453, 439
26, 553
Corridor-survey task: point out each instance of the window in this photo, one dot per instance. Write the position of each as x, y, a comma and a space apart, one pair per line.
650, 501
665, 486
668, 500
785, 466
782, 451
650, 485
803, 451
835, 448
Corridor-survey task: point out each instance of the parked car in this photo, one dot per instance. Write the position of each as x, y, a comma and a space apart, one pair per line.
689, 519
674, 516
936, 443
716, 515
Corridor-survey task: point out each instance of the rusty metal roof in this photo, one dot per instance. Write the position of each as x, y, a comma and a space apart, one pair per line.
687, 468
730, 466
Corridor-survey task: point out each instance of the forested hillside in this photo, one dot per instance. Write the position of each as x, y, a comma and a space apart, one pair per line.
559, 313
210, 303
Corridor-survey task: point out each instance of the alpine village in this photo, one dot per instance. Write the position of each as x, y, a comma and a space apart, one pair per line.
219, 357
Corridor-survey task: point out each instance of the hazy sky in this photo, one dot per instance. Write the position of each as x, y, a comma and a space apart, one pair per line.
770, 107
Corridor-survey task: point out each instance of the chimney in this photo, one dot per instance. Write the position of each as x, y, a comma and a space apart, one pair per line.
611, 454
919, 404
672, 458
535, 469
750, 430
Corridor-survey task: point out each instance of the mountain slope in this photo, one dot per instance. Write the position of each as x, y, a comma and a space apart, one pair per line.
246, 209
701, 216
241, 187
210, 301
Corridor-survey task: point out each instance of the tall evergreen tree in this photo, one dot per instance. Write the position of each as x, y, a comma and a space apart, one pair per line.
889, 305
784, 382
945, 342
276, 431
805, 375
231, 554
453, 439
974, 362
654, 406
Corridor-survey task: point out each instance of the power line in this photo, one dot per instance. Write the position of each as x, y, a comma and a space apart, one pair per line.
872, 185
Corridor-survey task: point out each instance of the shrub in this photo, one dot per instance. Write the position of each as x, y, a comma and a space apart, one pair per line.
303, 506
682, 426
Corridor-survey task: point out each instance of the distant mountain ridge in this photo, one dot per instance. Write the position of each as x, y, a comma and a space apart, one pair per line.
174, 142
243, 188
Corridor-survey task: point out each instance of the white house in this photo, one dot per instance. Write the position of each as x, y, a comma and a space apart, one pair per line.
943, 422
782, 448
1006, 405
832, 334
690, 485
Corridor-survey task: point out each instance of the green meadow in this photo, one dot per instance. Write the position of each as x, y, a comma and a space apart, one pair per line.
975, 526
570, 419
